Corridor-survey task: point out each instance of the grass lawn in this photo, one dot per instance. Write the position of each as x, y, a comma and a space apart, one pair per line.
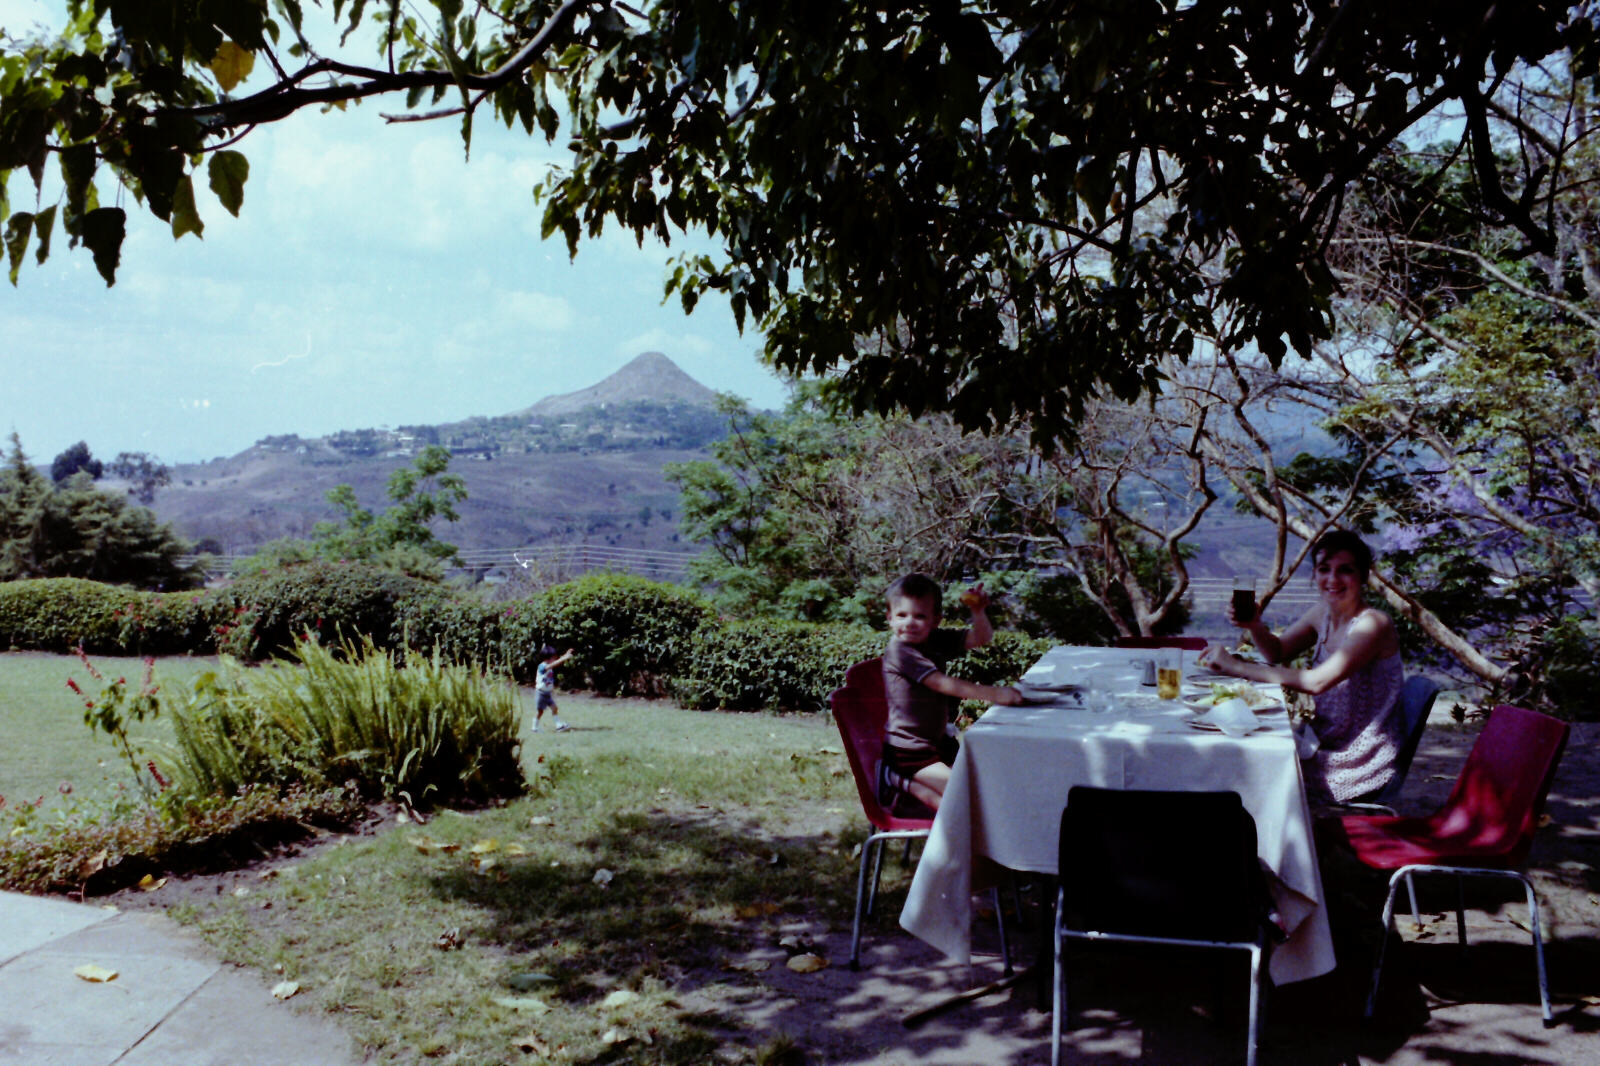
43, 739
612, 915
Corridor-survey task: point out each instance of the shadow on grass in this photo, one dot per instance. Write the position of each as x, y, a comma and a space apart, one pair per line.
695, 891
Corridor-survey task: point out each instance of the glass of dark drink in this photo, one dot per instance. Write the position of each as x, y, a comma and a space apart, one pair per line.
1244, 599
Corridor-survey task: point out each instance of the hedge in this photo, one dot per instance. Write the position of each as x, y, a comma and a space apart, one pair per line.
632, 636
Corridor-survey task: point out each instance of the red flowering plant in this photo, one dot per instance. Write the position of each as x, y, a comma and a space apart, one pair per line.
114, 707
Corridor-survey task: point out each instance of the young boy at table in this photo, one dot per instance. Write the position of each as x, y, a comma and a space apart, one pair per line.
918, 748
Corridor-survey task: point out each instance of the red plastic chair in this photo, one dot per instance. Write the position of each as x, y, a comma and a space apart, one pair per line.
1484, 829
861, 712
1186, 643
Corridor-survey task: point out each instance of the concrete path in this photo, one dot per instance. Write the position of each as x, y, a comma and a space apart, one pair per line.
171, 1004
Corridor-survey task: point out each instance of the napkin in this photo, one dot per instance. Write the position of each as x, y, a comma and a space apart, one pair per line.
1234, 717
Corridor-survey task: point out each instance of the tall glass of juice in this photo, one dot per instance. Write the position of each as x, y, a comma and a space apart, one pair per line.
1169, 674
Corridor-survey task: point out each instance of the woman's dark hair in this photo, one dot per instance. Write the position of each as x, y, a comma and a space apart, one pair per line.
547, 651
1342, 540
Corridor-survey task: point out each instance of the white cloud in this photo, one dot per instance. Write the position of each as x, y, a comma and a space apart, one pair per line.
538, 311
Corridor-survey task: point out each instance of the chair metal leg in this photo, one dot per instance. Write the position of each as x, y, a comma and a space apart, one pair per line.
1253, 1036
1538, 953
877, 872
1388, 920
861, 892
905, 856
1000, 920
1416, 914
1058, 1004
1461, 913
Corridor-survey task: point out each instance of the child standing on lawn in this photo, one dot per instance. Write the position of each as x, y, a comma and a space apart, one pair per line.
544, 687
922, 699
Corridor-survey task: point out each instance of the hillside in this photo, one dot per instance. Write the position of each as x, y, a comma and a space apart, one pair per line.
650, 376
584, 467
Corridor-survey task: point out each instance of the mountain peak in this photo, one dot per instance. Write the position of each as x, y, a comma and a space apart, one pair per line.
648, 376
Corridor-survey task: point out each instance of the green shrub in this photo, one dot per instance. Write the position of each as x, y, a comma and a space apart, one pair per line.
629, 633
418, 728
759, 665
794, 665
266, 612
59, 614
463, 629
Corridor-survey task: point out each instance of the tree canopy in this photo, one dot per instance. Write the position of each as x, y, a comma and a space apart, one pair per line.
75, 529
996, 208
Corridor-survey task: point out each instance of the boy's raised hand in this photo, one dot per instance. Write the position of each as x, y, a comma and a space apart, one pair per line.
975, 599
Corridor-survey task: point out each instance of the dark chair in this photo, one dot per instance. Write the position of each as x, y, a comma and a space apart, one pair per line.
861, 712
1416, 703
1186, 643
1175, 868
1484, 829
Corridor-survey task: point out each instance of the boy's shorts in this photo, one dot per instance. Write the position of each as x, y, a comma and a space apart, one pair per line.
544, 700
896, 769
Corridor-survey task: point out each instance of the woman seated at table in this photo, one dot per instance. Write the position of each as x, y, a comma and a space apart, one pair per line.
1355, 677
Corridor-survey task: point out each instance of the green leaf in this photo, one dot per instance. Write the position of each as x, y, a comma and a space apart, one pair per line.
77, 171
103, 230
43, 223
185, 219
17, 231
228, 172
231, 65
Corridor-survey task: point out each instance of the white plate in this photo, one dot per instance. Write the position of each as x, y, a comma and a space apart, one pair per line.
1208, 727
1204, 706
1048, 686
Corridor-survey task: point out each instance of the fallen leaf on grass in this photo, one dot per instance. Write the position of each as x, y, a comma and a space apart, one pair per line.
147, 883
427, 845
530, 1042
449, 940
808, 963
749, 966
620, 998
527, 982
94, 974
526, 1004
241, 891
285, 989
482, 864
516, 850
614, 1036
603, 877
756, 910
484, 847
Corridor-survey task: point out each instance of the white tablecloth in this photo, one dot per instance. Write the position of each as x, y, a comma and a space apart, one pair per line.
1010, 781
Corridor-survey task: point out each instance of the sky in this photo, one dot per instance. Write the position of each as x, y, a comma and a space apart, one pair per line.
374, 277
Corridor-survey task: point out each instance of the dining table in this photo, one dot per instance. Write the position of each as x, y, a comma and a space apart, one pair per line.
1002, 807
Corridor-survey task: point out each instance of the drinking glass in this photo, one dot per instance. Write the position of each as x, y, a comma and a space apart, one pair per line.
1244, 599
1169, 674
1100, 688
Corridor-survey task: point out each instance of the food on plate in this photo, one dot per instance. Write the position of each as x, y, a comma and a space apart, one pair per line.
1227, 690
